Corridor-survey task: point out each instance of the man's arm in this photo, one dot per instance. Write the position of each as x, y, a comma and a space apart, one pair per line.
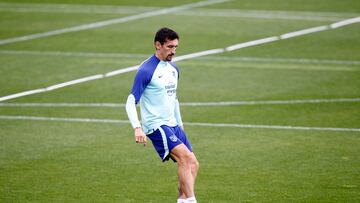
178, 114
142, 79
140, 136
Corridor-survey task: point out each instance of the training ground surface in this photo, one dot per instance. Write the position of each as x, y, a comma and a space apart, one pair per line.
278, 121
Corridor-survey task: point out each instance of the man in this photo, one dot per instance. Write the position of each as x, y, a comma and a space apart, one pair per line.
155, 87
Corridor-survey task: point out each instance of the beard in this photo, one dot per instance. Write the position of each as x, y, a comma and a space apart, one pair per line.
169, 57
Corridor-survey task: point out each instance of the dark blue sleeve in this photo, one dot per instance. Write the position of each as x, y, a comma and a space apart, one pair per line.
142, 79
177, 69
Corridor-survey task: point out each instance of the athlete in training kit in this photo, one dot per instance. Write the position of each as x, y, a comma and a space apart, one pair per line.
155, 87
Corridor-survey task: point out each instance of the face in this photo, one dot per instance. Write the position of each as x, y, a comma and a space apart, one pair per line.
166, 51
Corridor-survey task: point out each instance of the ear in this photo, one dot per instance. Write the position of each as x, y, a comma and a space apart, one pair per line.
157, 45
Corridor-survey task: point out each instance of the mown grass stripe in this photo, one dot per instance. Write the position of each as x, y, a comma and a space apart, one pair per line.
110, 21
239, 13
206, 57
223, 103
229, 125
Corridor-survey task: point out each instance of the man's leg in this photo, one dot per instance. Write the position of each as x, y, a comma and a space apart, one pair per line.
194, 166
181, 193
187, 170
194, 171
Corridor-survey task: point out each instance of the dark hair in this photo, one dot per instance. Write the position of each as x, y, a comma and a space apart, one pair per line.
165, 34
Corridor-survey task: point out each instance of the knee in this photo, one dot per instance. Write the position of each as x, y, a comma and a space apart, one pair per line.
195, 164
187, 160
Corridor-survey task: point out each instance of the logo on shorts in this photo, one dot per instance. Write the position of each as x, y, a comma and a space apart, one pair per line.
173, 138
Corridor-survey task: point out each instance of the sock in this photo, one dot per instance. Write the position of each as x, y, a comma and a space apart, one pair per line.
191, 200
181, 200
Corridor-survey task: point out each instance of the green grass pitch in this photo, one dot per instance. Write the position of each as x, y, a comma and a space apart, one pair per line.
62, 161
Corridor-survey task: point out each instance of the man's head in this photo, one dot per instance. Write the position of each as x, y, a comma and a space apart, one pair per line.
166, 41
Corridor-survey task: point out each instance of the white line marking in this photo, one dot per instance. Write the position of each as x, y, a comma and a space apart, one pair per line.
73, 54
22, 94
68, 83
198, 54
73, 82
281, 60
207, 58
74, 8
345, 22
192, 55
121, 71
111, 21
92, 120
237, 103
84, 120
265, 14
273, 127
223, 103
111, 105
53, 87
251, 43
304, 32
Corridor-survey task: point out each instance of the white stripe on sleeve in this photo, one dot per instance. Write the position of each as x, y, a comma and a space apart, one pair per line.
177, 113
131, 112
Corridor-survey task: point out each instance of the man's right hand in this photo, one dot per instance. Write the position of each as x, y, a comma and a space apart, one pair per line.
140, 136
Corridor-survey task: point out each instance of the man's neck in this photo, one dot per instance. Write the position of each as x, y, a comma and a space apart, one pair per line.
159, 57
